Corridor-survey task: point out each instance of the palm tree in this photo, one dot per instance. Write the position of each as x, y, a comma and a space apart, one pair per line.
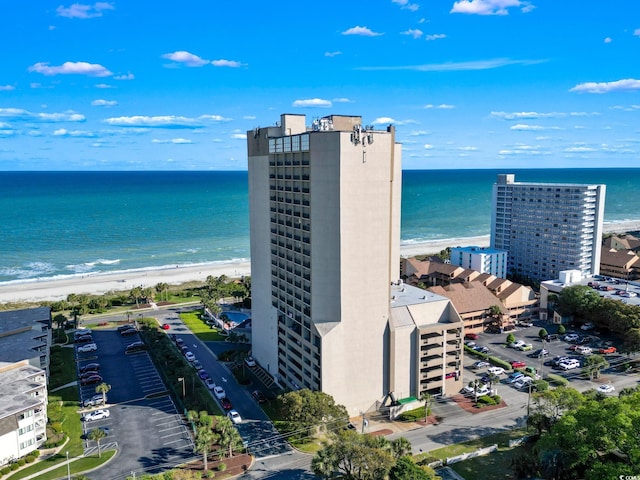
163, 288
136, 294
229, 436
103, 388
97, 434
400, 447
427, 399
204, 434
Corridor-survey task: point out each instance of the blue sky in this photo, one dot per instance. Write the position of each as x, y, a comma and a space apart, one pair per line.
164, 85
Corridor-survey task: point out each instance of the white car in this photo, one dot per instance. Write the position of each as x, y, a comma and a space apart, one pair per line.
514, 377
481, 390
587, 326
495, 370
250, 361
517, 344
210, 383
480, 364
190, 357
569, 365
522, 382
96, 415
584, 350
606, 388
234, 416
219, 392
571, 337
87, 347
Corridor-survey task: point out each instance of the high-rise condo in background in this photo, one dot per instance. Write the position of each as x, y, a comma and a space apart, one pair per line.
547, 227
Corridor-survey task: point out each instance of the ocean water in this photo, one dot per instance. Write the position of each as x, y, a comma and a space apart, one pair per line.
58, 224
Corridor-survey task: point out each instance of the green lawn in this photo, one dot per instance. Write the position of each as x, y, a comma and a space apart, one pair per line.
203, 331
495, 466
75, 467
64, 372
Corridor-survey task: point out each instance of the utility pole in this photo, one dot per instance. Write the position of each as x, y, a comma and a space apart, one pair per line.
68, 467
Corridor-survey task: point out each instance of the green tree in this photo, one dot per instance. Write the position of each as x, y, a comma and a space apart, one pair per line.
400, 447
550, 405
136, 294
561, 330
593, 365
542, 333
163, 288
406, 469
354, 457
96, 435
577, 300
307, 411
204, 434
428, 400
510, 338
103, 388
59, 320
228, 435
632, 341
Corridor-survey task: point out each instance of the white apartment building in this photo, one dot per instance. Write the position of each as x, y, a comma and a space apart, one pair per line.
23, 410
547, 227
325, 250
25, 335
481, 259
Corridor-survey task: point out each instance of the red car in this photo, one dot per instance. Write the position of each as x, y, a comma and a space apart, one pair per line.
226, 403
166, 326
518, 364
91, 380
471, 336
606, 350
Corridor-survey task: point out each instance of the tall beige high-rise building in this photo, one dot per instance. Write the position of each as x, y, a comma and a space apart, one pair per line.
325, 240
328, 309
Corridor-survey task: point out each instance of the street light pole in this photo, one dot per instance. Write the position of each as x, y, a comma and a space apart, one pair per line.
68, 467
181, 380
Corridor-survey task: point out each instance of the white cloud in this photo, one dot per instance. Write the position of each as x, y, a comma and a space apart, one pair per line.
20, 114
68, 68
626, 85
332, 54
6, 88
580, 149
428, 146
418, 133
460, 66
362, 31
435, 36
442, 106
405, 5
176, 141
7, 133
468, 149
126, 76
214, 118
534, 115
249, 117
415, 33
163, 121
312, 102
63, 132
636, 32
383, 121
78, 10
342, 100
489, 7
189, 59
104, 103
527, 127
104, 85
239, 136
608, 40
630, 108
226, 63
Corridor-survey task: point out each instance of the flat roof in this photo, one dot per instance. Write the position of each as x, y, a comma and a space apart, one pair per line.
474, 249
556, 286
16, 385
14, 320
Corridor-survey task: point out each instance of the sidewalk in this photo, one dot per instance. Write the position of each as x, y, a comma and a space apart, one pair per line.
70, 384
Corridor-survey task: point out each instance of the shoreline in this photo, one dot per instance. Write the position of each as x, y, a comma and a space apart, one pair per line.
98, 283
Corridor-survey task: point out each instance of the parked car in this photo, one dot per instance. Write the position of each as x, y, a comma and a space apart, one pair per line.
250, 361
189, 356
135, 347
514, 377
471, 336
571, 337
518, 364
522, 382
82, 331
128, 332
219, 392
608, 388
541, 352
525, 324
126, 326
470, 343
526, 347
480, 364
87, 347
479, 390
582, 350
259, 396
588, 326
202, 373
96, 415
179, 342
84, 339
197, 365
234, 416
569, 364
209, 383
89, 367
607, 350
481, 349
91, 380
495, 370
517, 344
558, 359
551, 337
166, 326
97, 399
226, 403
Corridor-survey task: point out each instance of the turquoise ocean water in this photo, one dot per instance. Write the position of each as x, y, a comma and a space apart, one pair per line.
57, 224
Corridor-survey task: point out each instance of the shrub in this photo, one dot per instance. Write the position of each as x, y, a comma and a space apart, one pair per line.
222, 467
14, 466
56, 427
30, 458
21, 462
542, 333
486, 400
5, 471
210, 474
499, 362
541, 385
510, 338
413, 415
557, 379
561, 330
497, 399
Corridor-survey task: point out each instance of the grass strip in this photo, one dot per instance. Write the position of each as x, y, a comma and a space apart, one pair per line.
193, 320
78, 466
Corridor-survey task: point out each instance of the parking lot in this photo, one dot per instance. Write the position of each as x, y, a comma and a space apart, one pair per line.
496, 343
143, 420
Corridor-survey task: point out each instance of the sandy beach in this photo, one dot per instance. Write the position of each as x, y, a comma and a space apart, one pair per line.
97, 284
